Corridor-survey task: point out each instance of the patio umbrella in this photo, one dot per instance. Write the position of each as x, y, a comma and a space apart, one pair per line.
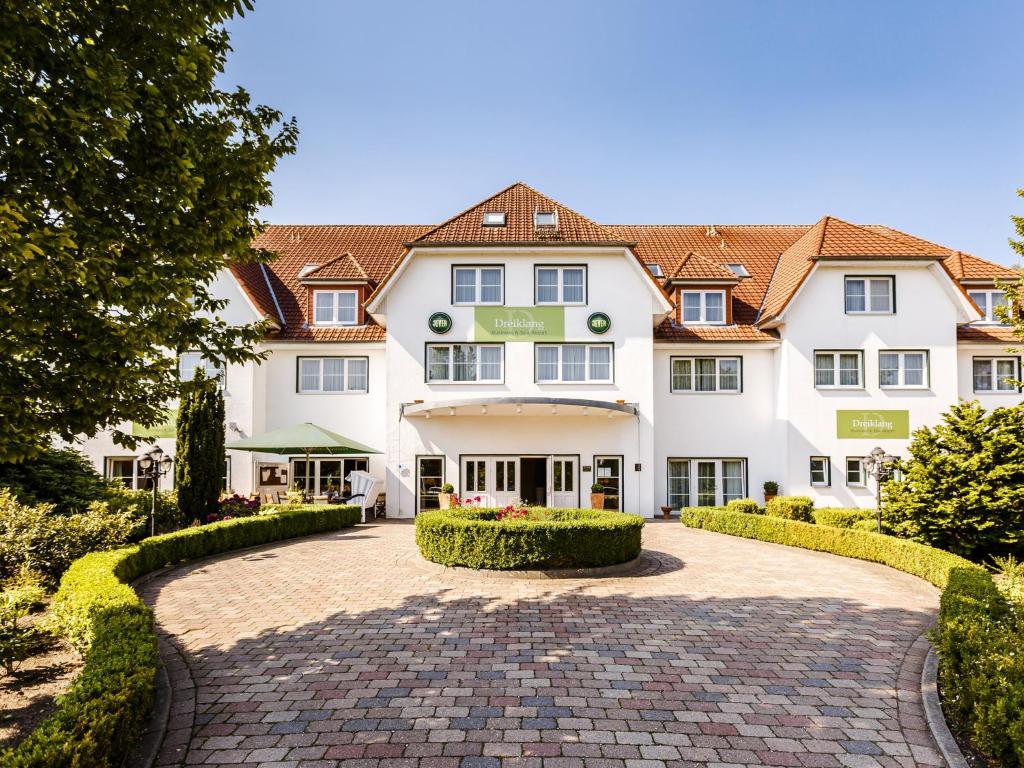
304, 438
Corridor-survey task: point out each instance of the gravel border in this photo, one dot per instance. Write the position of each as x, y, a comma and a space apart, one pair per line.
933, 712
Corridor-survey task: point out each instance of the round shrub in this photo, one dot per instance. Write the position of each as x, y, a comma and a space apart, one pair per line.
791, 508
843, 517
746, 506
545, 538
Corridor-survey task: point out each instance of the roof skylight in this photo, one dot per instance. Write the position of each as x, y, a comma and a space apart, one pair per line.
307, 269
655, 269
545, 219
494, 218
738, 269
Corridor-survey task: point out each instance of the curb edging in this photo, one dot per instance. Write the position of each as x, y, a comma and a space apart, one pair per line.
933, 713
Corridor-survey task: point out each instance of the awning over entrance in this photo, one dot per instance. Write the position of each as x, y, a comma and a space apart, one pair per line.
518, 406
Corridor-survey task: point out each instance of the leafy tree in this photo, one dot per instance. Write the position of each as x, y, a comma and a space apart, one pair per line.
128, 180
59, 476
1015, 290
199, 464
963, 487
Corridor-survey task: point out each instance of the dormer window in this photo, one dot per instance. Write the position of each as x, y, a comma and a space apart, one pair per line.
738, 269
494, 218
545, 219
335, 307
703, 307
990, 302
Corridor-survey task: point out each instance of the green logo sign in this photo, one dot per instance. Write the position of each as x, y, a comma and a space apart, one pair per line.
857, 424
519, 324
599, 322
440, 322
167, 428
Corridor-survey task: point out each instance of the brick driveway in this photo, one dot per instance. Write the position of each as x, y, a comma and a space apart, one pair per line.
723, 652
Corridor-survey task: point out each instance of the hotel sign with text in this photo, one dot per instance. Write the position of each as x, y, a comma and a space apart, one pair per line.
519, 324
865, 424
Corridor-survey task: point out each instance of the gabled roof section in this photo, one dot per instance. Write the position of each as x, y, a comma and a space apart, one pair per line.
518, 202
694, 267
344, 267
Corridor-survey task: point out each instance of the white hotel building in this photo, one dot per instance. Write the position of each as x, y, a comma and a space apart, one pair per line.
521, 350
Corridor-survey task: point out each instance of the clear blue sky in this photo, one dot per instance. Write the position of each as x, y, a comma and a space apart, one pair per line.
903, 113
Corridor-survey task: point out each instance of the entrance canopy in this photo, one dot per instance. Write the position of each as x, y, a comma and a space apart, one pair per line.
518, 406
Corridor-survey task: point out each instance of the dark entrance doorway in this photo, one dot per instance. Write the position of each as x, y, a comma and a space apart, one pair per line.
534, 473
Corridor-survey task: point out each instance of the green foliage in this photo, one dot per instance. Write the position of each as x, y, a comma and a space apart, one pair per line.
791, 508
963, 486
128, 180
59, 476
770, 487
747, 506
980, 641
447, 488
1010, 578
597, 488
36, 538
19, 596
138, 504
548, 538
843, 517
108, 705
980, 636
199, 464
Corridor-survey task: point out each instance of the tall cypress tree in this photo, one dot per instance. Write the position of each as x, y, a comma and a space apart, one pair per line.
199, 464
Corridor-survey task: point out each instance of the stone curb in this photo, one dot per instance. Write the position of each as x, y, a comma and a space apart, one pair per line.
933, 712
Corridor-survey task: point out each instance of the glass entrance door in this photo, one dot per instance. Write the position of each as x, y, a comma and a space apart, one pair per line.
608, 472
707, 487
429, 479
564, 487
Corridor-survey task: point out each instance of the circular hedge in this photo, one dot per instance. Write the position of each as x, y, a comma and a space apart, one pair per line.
547, 538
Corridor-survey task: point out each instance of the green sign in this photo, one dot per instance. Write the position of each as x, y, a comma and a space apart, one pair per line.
167, 428
857, 424
440, 322
519, 324
599, 322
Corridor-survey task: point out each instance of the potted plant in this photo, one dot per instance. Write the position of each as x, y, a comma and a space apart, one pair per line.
771, 490
597, 496
444, 498
666, 512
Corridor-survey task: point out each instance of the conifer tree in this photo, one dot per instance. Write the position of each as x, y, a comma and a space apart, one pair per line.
200, 460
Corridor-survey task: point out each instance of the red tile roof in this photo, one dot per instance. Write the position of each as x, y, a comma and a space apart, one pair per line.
987, 333
778, 258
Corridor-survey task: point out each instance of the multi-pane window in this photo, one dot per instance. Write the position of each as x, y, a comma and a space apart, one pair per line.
476, 476
565, 363
869, 295
995, 374
561, 285
333, 374
505, 475
704, 307
706, 374
190, 362
448, 363
838, 369
821, 470
990, 302
705, 482
121, 470
854, 470
478, 285
903, 369
335, 307
323, 475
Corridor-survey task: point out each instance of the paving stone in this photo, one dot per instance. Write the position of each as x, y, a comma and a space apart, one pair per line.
344, 649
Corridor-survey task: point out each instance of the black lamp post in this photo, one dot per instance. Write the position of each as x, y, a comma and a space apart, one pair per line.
878, 465
154, 465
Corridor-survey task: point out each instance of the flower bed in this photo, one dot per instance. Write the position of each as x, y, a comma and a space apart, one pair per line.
102, 715
508, 539
980, 636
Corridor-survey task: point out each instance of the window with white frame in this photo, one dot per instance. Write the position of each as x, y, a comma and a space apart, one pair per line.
903, 369
838, 369
335, 307
458, 363
821, 470
995, 374
569, 363
190, 362
703, 307
560, 285
494, 219
333, 374
855, 470
707, 374
870, 296
989, 302
226, 480
705, 482
125, 470
545, 219
478, 285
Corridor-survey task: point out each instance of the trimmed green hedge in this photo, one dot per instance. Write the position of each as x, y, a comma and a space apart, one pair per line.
568, 538
980, 637
791, 508
844, 517
747, 506
109, 703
